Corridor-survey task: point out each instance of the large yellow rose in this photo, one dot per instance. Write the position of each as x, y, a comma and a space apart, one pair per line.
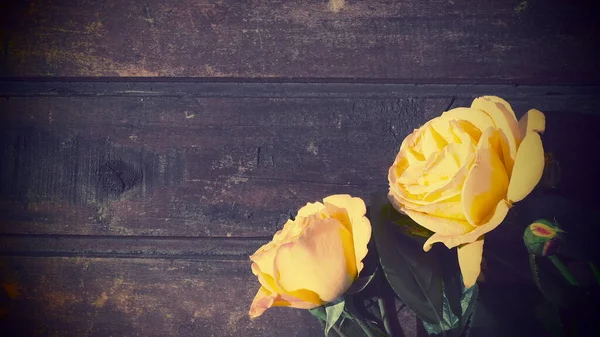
315, 257
459, 174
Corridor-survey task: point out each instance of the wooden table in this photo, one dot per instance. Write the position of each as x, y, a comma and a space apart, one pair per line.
148, 147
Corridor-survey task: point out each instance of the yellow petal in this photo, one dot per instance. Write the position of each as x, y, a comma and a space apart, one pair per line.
431, 142
440, 225
474, 116
533, 121
262, 301
310, 209
486, 183
317, 261
504, 118
264, 260
489, 224
528, 169
449, 208
469, 260
360, 224
265, 299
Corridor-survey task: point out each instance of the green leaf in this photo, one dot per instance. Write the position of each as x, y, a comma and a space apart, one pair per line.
548, 285
415, 276
549, 316
362, 282
453, 285
319, 312
505, 310
357, 315
334, 311
454, 323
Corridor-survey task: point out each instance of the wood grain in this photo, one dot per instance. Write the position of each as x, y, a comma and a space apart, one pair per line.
84, 297
412, 41
124, 162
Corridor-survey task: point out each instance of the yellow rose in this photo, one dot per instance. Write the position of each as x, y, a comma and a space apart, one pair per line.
315, 258
459, 174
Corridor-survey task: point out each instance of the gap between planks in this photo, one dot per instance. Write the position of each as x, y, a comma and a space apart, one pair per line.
149, 247
282, 90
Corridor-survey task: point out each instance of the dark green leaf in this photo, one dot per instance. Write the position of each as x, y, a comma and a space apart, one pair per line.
453, 323
548, 284
415, 276
549, 316
453, 286
355, 309
334, 311
357, 317
467, 304
361, 283
505, 310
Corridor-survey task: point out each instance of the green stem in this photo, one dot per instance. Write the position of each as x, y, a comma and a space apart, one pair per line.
595, 271
387, 308
338, 331
563, 270
365, 328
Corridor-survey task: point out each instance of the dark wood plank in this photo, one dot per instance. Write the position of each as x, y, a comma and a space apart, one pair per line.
533, 41
83, 297
130, 247
130, 163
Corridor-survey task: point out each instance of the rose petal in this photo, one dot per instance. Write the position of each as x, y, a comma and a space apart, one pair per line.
486, 183
310, 209
431, 142
317, 261
504, 118
469, 261
449, 208
490, 224
441, 225
264, 299
474, 116
533, 121
528, 169
454, 186
361, 226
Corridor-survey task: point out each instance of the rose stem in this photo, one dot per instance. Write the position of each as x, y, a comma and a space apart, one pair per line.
338, 331
389, 316
563, 270
365, 328
595, 271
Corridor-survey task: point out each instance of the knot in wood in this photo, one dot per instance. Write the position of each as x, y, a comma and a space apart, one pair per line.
117, 176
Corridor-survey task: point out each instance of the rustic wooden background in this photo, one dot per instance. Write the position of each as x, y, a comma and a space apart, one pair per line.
148, 147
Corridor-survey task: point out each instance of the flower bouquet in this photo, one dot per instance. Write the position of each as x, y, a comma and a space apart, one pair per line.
452, 185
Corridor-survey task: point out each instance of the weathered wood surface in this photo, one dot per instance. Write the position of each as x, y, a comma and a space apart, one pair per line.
138, 164
129, 208
137, 297
414, 41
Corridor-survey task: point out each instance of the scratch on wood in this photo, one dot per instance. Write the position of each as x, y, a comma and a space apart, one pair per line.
148, 17
451, 103
257, 156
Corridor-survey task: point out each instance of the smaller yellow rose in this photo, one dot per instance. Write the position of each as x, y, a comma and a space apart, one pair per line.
315, 258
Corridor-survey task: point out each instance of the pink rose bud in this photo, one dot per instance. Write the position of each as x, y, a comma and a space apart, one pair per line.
542, 237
